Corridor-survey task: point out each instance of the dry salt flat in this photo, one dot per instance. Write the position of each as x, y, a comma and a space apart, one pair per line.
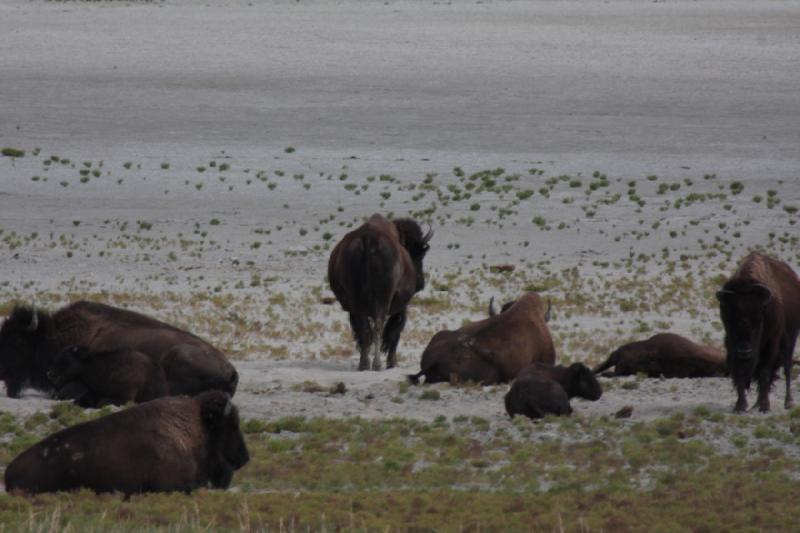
149, 93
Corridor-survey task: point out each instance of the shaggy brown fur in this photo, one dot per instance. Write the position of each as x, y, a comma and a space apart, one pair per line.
668, 355
760, 309
30, 340
374, 271
169, 444
114, 378
493, 350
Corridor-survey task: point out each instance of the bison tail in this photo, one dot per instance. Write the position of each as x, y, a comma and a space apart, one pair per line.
233, 383
611, 361
414, 378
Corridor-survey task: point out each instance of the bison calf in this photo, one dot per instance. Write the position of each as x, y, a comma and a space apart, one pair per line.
576, 379
115, 377
536, 396
176, 443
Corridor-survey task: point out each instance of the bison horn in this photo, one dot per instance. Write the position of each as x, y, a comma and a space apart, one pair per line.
228, 408
492, 310
547, 313
722, 293
428, 235
34, 321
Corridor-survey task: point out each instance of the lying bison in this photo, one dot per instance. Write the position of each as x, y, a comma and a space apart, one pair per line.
576, 379
114, 378
668, 355
169, 444
493, 350
374, 271
30, 340
536, 396
760, 309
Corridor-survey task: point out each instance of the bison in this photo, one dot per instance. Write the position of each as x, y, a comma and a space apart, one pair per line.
760, 308
176, 443
493, 350
668, 355
374, 271
30, 340
114, 378
576, 379
536, 396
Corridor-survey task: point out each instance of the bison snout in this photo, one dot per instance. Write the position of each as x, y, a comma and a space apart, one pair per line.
744, 353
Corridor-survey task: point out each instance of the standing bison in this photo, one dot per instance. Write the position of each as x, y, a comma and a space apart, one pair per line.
668, 355
169, 444
374, 271
493, 350
30, 340
760, 309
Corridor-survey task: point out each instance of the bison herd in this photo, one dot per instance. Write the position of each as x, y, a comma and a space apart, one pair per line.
184, 431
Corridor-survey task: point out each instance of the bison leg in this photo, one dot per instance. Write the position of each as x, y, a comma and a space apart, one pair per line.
363, 334
741, 399
376, 352
788, 362
764, 379
391, 337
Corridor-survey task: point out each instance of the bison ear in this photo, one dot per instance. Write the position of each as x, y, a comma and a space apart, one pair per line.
763, 293
216, 406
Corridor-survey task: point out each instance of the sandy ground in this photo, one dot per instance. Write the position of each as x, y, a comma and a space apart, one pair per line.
678, 89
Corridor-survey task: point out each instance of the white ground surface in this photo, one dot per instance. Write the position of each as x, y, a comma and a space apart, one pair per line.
629, 88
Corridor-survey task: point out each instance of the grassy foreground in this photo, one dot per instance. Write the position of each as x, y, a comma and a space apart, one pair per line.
703, 472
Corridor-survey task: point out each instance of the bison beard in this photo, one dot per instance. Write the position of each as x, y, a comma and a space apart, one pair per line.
179, 444
760, 309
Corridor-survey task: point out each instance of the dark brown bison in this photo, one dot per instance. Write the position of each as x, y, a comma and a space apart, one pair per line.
536, 396
374, 271
668, 355
30, 340
760, 309
109, 377
169, 444
493, 350
576, 379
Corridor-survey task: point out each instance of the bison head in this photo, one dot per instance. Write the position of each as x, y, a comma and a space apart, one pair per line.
20, 336
741, 309
227, 450
583, 383
67, 365
416, 244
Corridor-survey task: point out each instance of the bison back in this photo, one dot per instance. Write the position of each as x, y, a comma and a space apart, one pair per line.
535, 398
165, 437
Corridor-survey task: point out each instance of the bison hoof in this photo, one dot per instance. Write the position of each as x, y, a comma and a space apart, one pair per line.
740, 407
